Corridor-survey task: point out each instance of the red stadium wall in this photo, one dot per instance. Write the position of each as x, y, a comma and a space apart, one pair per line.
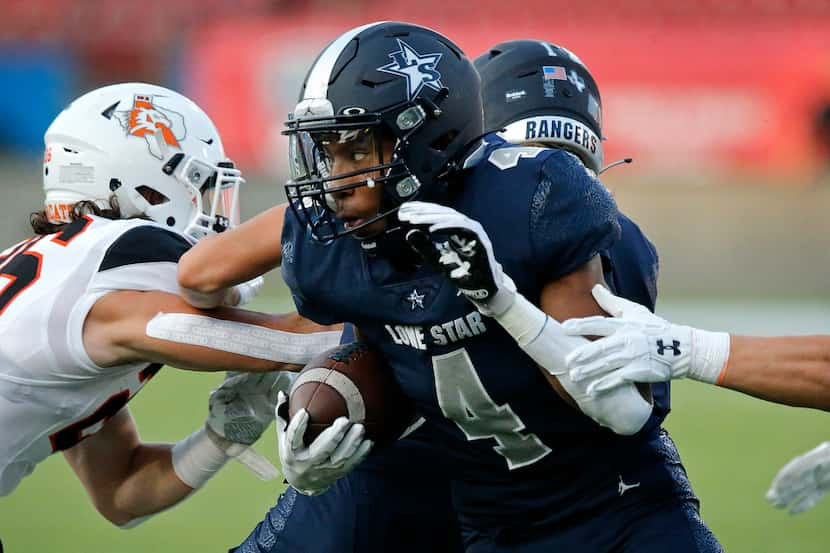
680, 91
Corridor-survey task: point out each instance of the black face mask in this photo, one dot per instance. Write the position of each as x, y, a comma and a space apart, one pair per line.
312, 182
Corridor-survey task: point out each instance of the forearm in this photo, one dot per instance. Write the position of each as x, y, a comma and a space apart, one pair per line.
258, 343
238, 255
129, 326
149, 485
793, 370
128, 480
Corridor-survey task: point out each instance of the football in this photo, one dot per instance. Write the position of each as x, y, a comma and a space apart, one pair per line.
354, 381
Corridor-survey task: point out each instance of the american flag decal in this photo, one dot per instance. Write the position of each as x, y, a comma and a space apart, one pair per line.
554, 72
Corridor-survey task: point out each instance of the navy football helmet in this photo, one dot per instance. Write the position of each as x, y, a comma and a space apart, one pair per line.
399, 83
535, 91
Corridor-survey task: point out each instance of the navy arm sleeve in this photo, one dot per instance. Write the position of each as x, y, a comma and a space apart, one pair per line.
573, 217
633, 265
303, 268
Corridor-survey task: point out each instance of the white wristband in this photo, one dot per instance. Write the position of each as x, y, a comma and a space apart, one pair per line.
523, 320
623, 410
197, 458
248, 290
710, 352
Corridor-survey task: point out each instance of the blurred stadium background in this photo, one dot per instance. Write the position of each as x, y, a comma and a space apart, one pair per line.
724, 106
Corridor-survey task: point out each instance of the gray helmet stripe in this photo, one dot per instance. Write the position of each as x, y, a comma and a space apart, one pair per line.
318, 80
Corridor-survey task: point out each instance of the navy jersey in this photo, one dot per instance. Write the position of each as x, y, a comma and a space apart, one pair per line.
490, 407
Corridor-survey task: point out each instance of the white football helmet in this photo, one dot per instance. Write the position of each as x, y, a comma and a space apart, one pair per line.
155, 150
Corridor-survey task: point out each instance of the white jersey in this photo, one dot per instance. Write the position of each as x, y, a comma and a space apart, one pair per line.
51, 393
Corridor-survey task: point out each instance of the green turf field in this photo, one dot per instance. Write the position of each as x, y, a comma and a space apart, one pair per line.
732, 446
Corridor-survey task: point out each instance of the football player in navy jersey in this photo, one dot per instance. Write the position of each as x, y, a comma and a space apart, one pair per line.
524, 113
89, 307
364, 503
385, 147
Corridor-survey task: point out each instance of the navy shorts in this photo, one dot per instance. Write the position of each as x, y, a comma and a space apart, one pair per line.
397, 500
650, 509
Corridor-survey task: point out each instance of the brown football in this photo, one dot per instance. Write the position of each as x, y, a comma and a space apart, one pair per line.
354, 381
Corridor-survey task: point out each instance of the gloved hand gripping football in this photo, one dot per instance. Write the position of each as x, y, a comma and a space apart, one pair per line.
311, 469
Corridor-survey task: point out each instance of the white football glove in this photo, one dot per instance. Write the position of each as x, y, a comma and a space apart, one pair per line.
333, 453
802, 482
460, 248
639, 346
240, 411
248, 290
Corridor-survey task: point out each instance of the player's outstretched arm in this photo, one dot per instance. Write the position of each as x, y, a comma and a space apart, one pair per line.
207, 271
128, 481
130, 326
311, 469
638, 346
793, 370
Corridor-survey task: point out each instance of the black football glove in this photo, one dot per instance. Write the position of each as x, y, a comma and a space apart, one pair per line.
460, 248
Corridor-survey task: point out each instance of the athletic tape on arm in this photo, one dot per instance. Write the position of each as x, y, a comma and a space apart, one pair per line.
241, 338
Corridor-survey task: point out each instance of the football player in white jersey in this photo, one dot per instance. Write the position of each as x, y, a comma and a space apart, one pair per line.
89, 306
639, 346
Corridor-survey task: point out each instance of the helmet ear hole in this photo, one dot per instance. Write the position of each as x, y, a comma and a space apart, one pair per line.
149, 147
442, 142
153, 196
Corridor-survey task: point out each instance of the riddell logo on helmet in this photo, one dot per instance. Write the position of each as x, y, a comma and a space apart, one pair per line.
158, 126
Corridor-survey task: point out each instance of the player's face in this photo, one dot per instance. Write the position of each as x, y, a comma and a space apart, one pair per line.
355, 205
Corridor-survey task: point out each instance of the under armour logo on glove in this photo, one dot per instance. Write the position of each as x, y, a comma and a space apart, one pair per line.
675, 347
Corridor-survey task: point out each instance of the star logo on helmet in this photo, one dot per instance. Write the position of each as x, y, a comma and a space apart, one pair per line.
419, 70
160, 127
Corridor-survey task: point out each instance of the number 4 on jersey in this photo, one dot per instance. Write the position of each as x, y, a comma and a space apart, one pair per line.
463, 400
